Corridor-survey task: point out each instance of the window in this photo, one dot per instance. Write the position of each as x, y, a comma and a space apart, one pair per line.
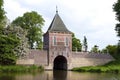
54, 40
66, 41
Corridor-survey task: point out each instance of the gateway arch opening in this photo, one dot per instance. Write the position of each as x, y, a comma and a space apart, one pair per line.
60, 63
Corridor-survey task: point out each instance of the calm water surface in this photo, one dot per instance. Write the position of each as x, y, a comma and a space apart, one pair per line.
60, 75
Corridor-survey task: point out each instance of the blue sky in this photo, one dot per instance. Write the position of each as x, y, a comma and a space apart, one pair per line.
94, 19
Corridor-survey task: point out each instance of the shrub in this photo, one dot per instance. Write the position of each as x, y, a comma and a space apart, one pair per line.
113, 67
17, 68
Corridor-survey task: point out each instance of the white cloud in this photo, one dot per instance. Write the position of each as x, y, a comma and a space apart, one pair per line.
32, 2
13, 9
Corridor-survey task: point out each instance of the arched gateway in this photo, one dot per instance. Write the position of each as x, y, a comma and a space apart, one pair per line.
60, 63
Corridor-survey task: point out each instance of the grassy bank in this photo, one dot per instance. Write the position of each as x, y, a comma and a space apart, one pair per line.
17, 68
113, 67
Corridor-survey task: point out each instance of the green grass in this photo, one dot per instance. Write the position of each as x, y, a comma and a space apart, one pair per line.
16, 68
113, 67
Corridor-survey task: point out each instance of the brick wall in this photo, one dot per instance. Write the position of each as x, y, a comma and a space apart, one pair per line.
81, 59
36, 57
78, 59
59, 46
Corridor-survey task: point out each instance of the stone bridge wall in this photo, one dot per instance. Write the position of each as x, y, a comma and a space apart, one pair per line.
76, 59
35, 57
81, 59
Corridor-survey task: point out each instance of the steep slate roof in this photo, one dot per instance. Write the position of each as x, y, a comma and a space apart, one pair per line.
57, 25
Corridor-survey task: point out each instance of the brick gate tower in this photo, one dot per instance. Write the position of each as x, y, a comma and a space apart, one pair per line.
58, 43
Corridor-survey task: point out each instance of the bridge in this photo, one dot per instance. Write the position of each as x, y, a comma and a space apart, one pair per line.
57, 51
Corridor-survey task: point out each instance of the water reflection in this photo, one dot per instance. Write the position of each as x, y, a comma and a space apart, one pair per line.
60, 75
7, 77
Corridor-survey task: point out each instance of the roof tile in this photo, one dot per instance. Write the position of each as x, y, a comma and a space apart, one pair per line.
57, 25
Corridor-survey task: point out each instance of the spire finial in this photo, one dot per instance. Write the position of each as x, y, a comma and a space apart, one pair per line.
56, 9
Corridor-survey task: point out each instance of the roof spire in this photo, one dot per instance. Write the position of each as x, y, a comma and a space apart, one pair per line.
57, 25
56, 9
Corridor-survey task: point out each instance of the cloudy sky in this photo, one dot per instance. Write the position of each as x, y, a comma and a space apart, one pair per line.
94, 19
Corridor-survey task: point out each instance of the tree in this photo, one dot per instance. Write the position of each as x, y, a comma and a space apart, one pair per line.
22, 49
85, 46
112, 50
9, 40
2, 12
32, 22
118, 51
76, 44
2, 16
95, 49
116, 8
8, 43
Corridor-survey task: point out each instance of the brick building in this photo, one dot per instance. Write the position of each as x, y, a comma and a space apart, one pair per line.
57, 50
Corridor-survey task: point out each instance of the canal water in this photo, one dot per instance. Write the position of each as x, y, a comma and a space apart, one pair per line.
59, 75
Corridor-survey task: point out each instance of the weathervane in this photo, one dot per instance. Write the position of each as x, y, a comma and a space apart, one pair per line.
56, 9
